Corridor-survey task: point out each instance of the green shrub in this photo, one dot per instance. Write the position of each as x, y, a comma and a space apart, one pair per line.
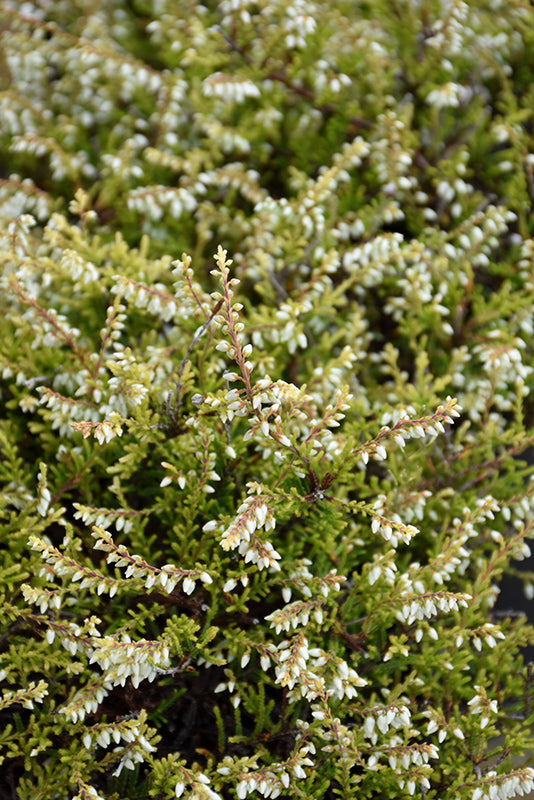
256, 505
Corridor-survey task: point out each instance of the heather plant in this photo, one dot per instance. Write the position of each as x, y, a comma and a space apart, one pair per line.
267, 294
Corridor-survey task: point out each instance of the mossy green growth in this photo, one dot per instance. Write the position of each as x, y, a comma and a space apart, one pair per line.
267, 300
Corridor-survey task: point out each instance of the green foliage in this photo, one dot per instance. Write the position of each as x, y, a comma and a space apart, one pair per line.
267, 300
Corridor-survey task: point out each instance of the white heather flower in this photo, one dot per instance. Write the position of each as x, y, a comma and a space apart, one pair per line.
380, 452
450, 95
228, 88
44, 502
374, 574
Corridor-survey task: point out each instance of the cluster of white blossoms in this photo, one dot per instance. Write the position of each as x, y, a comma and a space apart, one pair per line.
33, 693
451, 33
306, 216
296, 614
392, 161
252, 515
374, 259
125, 162
450, 194
481, 704
134, 78
227, 138
56, 563
128, 387
87, 700
103, 734
62, 163
82, 411
480, 235
428, 605
416, 289
266, 782
51, 329
298, 22
76, 639
438, 723
453, 558
487, 634
269, 214
292, 662
279, 418
502, 361
155, 201
318, 433
15, 241
271, 781
82, 271
404, 755
309, 585
338, 680
339, 371
380, 718
327, 80
300, 579
14, 120
410, 762
155, 299
287, 327
404, 428
173, 109
311, 673
104, 431
129, 737
412, 503
232, 176
484, 509
18, 196
120, 659
520, 514
390, 525
234, 403
526, 266
502, 787
105, 517
199, 787
165, 577
272, 399
449, 95
43, 492
63, 411
228, 88
299, 612
441, 568
383, 567
44, 599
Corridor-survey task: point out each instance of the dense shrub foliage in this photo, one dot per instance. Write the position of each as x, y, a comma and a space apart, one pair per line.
267, 295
